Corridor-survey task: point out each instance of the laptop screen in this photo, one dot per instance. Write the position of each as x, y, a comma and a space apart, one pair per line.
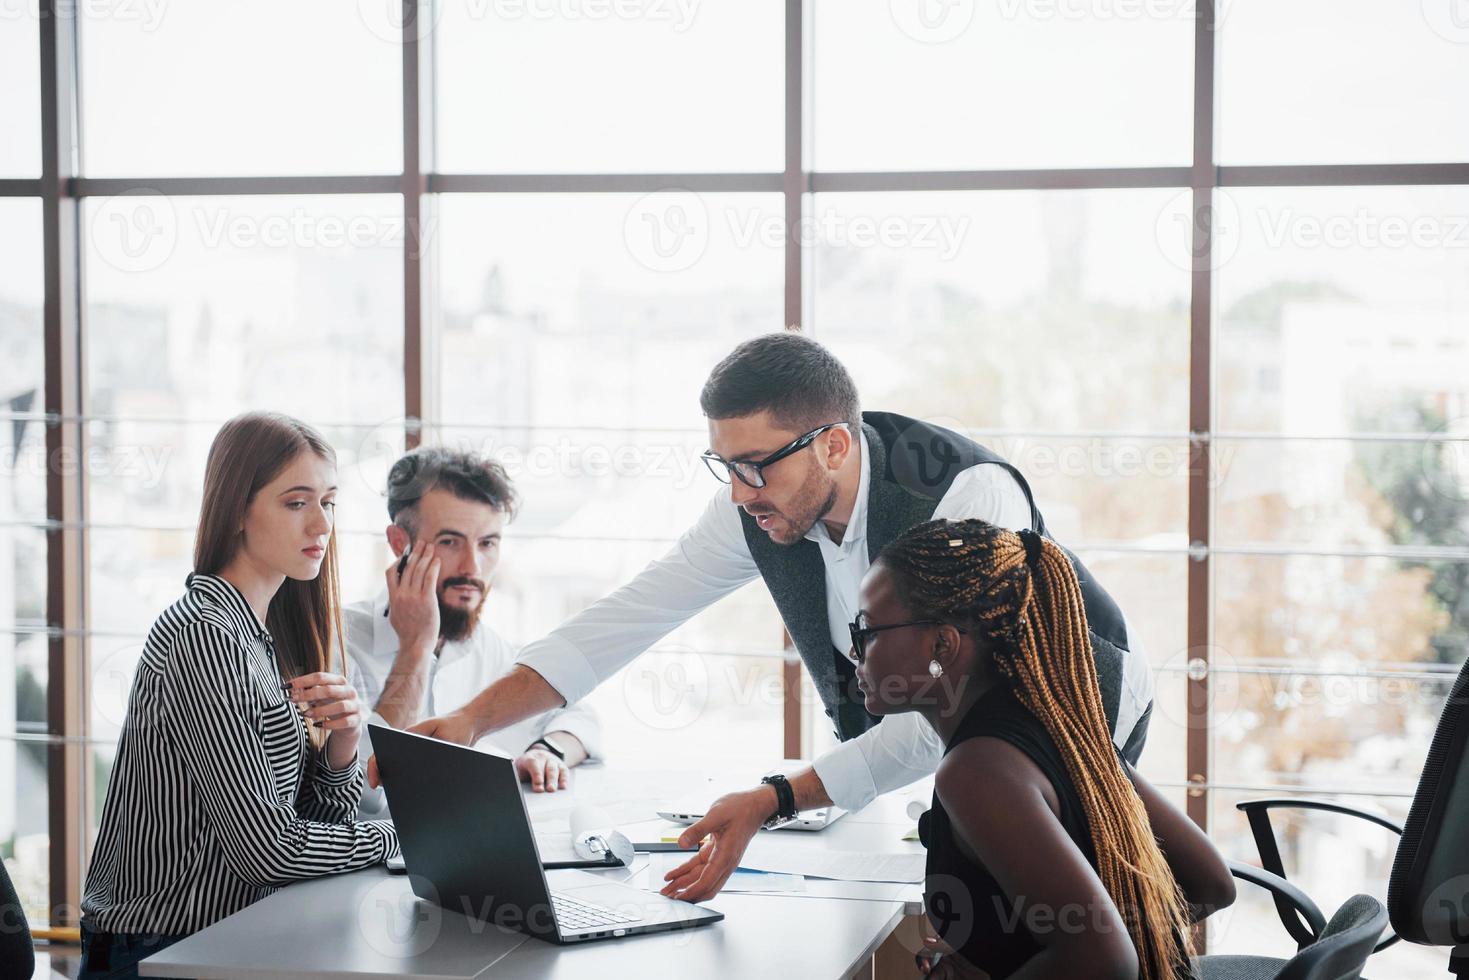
464, 830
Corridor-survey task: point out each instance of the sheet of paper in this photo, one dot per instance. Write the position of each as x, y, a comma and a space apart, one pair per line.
555, 846
763, 881
742, 880
840, 865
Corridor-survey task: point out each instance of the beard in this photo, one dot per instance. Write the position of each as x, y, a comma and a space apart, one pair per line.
457, 623
813, 501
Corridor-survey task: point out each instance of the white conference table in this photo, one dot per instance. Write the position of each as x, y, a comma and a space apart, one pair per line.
369, 923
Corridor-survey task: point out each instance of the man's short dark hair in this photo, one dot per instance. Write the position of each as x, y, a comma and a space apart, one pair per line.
467, 475
793, 377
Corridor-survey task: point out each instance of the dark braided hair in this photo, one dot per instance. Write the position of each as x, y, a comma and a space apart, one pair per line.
1029, 615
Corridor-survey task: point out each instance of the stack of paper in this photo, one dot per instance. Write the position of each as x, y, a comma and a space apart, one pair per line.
749, 880
839, 865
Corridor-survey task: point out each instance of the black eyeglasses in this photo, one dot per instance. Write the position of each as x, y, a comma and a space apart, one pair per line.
751, 472
861, 632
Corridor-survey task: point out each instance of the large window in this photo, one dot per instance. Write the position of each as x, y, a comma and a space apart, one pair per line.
1342, 508
1053, 325
197, 308
574, 335
1378, 83
629, 87
163, 91
969, 85
20, 109
1250, 423
23, 665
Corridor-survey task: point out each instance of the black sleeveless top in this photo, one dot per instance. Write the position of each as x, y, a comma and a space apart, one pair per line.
967, 907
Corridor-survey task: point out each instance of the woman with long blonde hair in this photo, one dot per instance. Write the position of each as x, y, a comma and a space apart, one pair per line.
1048, 855
236, 771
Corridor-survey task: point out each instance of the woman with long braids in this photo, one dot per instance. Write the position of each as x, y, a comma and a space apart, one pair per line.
1048, 856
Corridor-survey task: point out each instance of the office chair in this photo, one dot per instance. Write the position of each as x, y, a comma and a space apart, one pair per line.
1428, 890
1339, 952
17, 956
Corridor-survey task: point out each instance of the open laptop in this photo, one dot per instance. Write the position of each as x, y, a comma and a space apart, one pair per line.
467, 841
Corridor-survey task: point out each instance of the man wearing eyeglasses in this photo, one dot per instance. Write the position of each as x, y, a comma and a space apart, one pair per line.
817, 488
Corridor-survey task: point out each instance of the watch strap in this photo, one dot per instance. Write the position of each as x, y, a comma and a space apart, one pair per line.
549, 748
785, 799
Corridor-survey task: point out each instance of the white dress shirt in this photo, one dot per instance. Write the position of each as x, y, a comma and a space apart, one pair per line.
712, 559
460, 671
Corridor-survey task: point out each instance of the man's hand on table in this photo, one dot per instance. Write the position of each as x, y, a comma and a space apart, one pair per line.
730, 824
544, 772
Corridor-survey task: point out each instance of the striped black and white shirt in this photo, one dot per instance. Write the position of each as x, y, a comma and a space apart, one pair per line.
217, 797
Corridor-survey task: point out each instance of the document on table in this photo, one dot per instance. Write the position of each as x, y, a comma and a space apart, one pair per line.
746, 880
840, 865
742, 880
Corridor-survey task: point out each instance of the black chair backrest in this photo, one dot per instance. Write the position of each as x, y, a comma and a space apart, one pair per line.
1343, 947
1428, 893
17, 956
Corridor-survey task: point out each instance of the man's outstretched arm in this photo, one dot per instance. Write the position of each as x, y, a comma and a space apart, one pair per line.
708, 562
519, 695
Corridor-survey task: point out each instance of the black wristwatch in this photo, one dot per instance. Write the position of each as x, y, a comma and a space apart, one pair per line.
549, 746
785, 800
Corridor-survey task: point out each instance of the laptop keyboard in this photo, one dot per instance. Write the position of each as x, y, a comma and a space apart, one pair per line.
574, 916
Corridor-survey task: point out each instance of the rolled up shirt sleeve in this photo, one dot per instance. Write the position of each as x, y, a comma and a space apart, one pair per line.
901, 750
708, 562
580, 720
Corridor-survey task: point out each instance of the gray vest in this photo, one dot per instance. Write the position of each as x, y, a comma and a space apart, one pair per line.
911, 466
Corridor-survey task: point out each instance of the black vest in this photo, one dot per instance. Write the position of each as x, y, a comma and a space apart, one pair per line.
911, 465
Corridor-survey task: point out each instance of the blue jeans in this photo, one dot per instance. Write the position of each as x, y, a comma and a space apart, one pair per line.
115, 955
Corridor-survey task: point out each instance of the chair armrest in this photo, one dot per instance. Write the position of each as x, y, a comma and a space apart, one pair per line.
1258, 812
1251, 807
1286, 896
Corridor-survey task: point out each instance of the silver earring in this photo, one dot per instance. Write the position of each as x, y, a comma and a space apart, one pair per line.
935, 669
